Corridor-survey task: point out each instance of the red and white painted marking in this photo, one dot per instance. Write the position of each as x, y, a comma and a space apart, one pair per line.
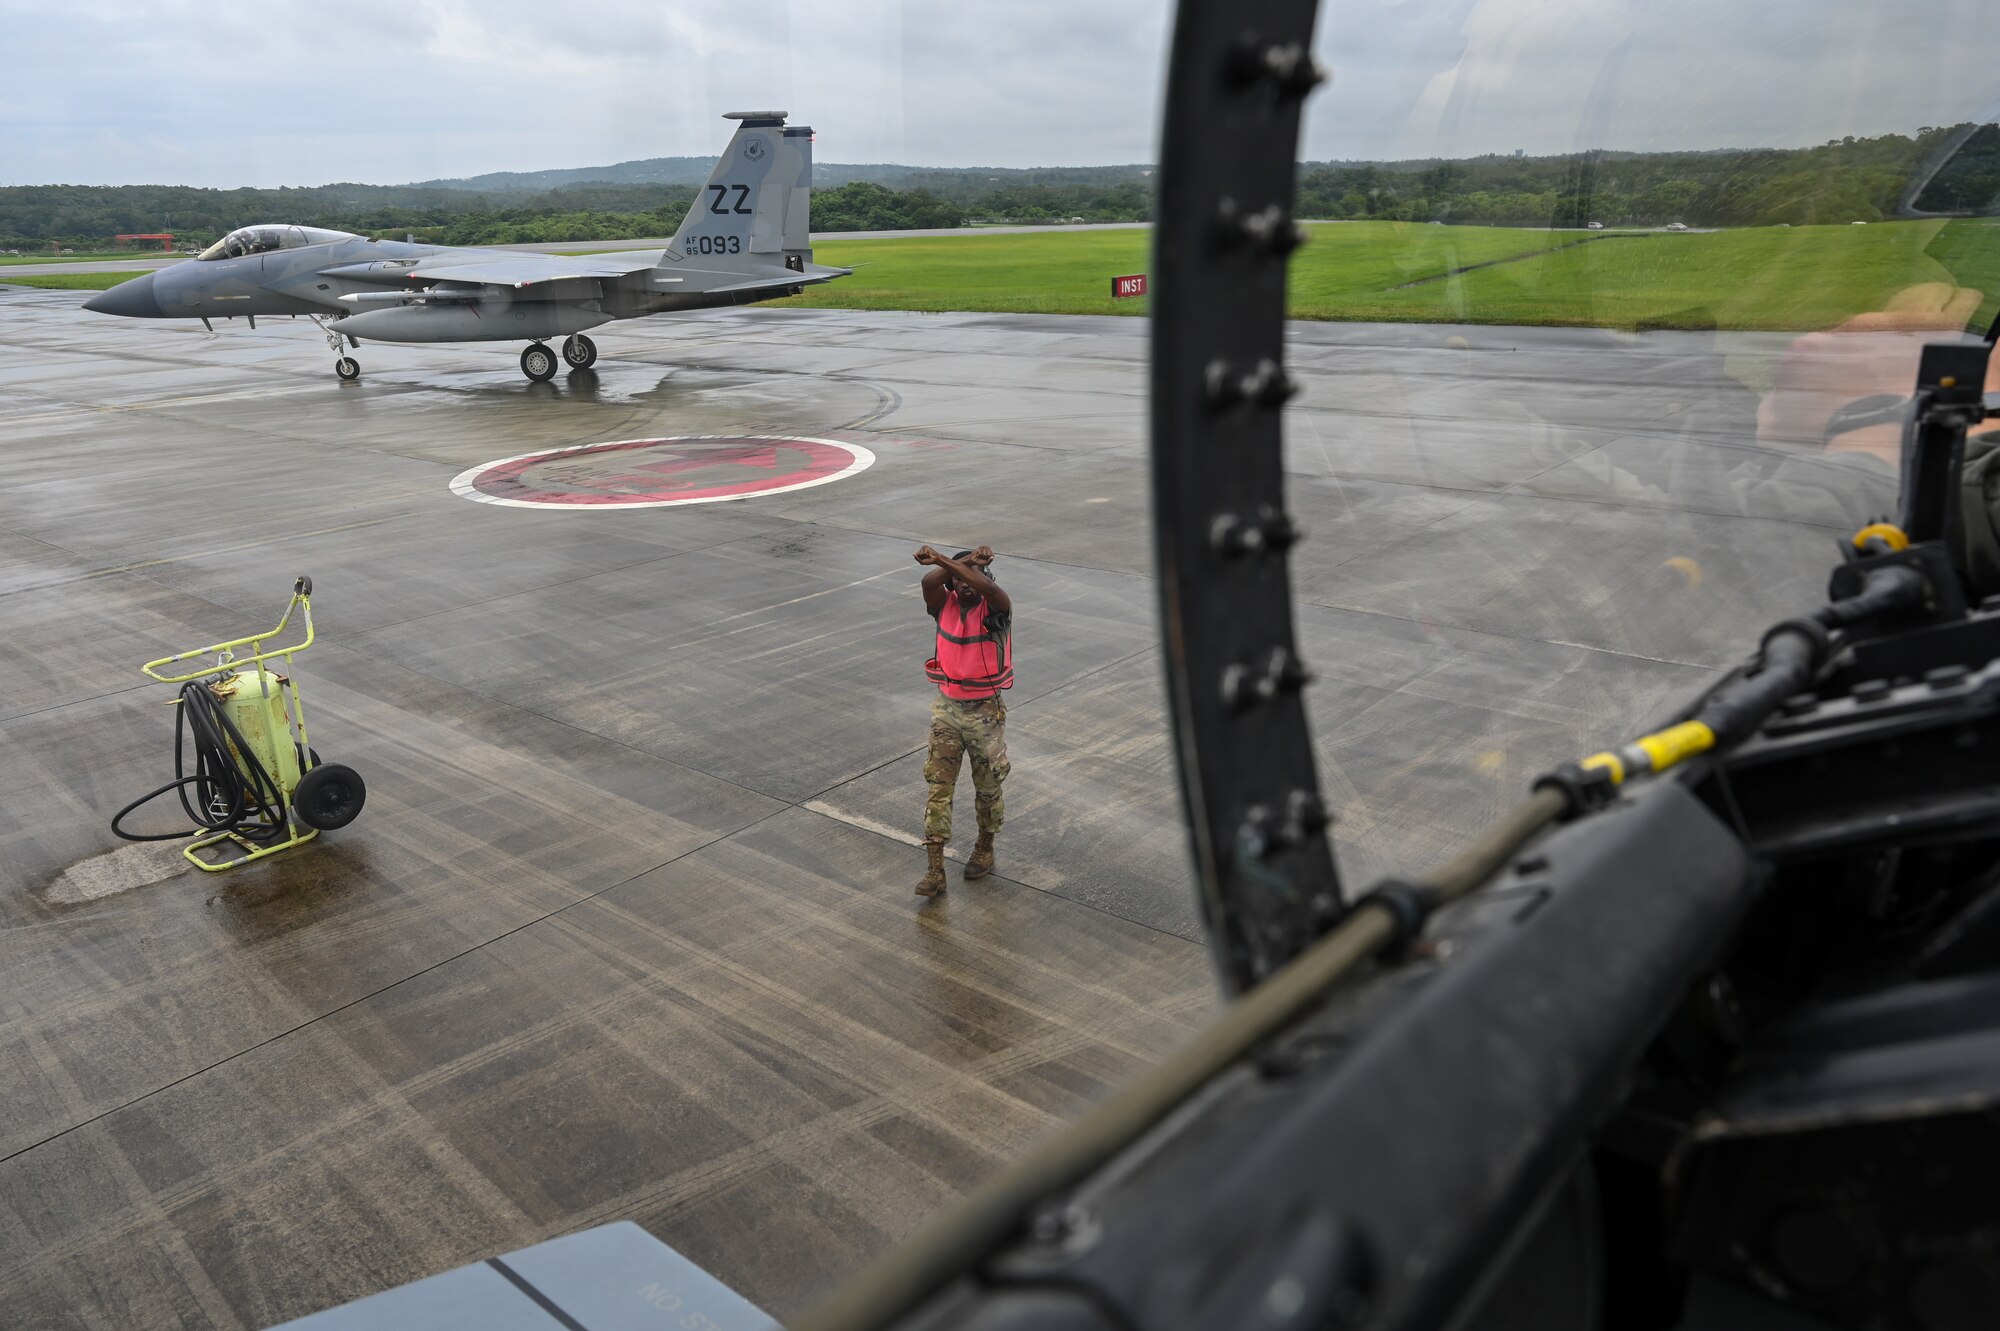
662, 473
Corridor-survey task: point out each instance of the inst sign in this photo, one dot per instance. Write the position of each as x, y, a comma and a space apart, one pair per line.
1134, 285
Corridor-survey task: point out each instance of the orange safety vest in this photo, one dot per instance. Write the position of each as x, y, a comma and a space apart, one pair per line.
972, 661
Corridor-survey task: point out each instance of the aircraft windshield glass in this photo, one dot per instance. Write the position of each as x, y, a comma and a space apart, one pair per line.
1608, 332
262, 239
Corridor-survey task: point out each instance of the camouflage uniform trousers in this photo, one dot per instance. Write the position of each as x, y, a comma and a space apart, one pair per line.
958, 729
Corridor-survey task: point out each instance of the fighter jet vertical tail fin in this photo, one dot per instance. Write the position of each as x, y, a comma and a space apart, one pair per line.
754, 212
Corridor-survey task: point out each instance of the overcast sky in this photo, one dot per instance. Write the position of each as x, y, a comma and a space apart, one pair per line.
388, 91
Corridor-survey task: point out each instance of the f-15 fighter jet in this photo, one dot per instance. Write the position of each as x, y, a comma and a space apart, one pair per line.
745, 239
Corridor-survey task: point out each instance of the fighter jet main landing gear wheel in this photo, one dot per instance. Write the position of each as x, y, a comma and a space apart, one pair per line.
539, 363
347, 368
579, 351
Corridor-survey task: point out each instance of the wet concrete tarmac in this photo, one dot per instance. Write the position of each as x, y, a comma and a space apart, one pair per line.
626, 928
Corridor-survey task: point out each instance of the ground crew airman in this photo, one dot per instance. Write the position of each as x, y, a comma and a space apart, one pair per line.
973, 662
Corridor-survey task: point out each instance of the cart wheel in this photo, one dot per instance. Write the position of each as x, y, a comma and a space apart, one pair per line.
330, 796
308, 760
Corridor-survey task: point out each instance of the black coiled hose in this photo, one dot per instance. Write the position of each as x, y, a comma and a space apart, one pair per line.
226, 797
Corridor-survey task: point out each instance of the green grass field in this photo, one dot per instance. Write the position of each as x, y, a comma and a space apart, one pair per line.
68, 281
1070, 272
1761, 278
1777, 278
1785, 278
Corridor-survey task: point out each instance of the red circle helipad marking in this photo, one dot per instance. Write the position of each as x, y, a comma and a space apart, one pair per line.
659, 473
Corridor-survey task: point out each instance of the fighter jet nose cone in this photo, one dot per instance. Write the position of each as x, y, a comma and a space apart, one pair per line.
134, 299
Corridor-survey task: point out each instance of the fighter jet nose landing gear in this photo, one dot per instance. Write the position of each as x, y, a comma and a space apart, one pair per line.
348, 368
579, 351
538, 363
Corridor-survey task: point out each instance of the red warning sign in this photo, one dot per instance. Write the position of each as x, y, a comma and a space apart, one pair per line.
1135, 285
659, 473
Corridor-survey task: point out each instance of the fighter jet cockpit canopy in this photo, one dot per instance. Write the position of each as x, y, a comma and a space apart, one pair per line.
261, 239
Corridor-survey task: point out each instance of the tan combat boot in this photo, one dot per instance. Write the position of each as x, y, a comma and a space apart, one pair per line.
932, 882
981, 862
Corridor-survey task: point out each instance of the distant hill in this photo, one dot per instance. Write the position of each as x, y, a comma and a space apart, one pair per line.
694, 170
651, 171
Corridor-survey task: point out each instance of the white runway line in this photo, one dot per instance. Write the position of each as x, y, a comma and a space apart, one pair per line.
870, 825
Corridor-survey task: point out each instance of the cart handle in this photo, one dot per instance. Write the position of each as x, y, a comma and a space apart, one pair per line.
301, 600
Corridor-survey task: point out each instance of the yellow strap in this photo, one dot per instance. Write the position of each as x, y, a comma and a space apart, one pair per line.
1675, 743
1892, 536
1612, 761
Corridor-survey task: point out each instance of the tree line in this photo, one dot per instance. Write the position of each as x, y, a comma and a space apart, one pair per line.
39, 216
1844, 180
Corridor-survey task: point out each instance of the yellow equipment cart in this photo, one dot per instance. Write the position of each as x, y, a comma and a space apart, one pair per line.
257, 786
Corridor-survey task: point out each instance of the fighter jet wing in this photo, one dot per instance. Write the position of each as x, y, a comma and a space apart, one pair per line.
518, 270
